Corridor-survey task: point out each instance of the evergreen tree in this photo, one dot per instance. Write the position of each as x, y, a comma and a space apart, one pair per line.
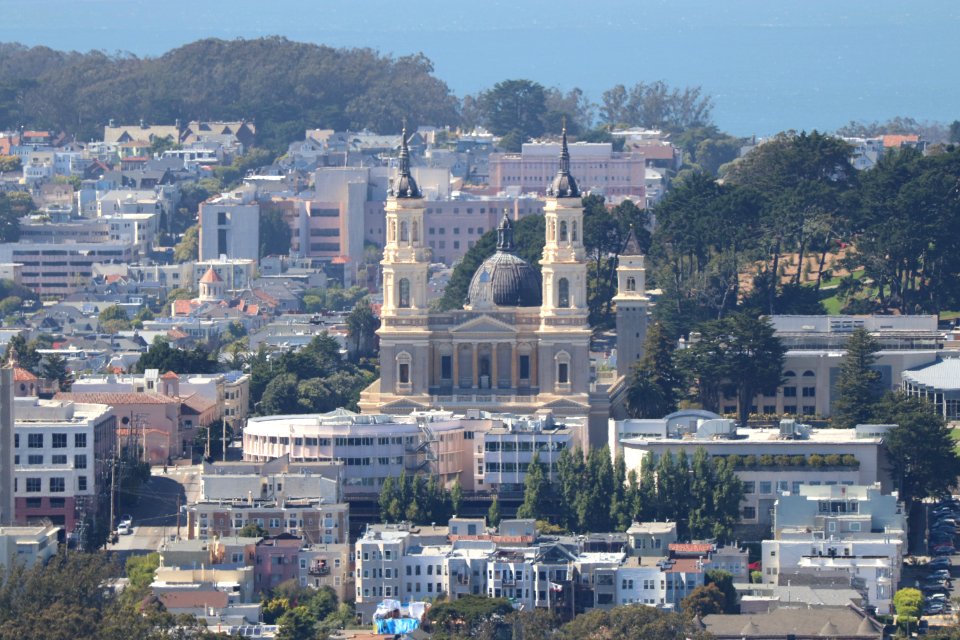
702, 482
858, 385
493, 513
570, 474
387, 496
535, 488
647, 507
727, 496
653, 383
456, 496
621, 504
54, 367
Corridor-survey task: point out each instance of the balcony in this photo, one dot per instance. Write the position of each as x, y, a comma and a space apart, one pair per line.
321, 569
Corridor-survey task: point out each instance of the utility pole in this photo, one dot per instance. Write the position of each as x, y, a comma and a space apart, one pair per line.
224, 441
113, 491
178, 516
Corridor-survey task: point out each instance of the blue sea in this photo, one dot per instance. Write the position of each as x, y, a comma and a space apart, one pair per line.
770, 65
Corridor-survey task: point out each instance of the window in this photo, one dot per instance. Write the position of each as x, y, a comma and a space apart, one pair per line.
80, 440
404, 233
35, 459
403, 368
59, 441
563, 373
33, 485
631, 284
749, 487
563, 293
446, 367
524, 367
35, 440
563, 231
766, 488
789, 392
57, 485
59, 460
749, 513
403, 294
809, 392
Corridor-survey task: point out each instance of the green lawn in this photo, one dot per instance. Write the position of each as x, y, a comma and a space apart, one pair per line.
955, 435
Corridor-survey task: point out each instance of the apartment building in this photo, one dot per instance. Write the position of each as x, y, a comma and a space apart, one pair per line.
54, 270
61, 454
27, 546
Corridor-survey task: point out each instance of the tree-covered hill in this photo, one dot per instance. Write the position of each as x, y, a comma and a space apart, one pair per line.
284, 86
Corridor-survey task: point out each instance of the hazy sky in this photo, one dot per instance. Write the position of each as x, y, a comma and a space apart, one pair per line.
770, 64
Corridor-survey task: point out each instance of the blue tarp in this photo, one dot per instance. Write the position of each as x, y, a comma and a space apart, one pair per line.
393, 626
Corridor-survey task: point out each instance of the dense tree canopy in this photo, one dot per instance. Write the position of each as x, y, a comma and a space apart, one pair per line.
284, 86
858, 386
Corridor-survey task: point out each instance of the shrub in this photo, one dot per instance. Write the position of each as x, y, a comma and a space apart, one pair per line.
782, 461
850, 460
750, 461
734, 460
815, 460
766, 460
832, 460
798, 461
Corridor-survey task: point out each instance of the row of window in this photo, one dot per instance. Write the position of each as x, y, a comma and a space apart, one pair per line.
766, 487
57, 440
79, 461
55, 485
523, 445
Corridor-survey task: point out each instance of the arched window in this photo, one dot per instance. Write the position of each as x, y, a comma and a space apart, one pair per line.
392, 231
403, 294
563, 293
809, 374
403, 368
415, 236
552, 230
563, 231
404, 235
563, 369
789, 374
631, 284
573, 231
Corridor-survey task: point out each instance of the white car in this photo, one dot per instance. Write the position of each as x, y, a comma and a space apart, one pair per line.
127, 520
124, 529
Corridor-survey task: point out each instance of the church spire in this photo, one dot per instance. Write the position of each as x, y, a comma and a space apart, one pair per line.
564, 185
406, 185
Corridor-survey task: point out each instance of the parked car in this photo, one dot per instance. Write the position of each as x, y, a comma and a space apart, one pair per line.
127, 520
944, 550
934, 609
939, 574
124, 529
942, 562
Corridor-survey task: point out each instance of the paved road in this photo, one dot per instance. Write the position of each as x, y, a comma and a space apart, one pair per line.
155, 514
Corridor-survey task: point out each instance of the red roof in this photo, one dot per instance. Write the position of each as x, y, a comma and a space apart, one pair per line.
22, 375
115, 397
210, 276
169, 375
897, 140
686, 565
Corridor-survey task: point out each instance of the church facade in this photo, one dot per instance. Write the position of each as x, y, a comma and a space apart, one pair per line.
521, 344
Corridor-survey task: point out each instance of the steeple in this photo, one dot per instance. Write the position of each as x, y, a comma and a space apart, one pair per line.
505, 235
564, 185
406, 186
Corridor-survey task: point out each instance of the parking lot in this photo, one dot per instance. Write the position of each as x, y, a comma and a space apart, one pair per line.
934, 573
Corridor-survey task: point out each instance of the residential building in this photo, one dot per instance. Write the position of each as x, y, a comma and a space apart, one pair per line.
62, 459
328, 565
799, 623
509, 449
276, 561
237, 582
237, 274
27, 546
230, 226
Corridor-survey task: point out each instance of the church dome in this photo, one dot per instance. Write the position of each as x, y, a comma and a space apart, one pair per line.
505, 279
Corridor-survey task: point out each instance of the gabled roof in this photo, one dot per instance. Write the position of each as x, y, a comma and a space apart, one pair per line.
22, 375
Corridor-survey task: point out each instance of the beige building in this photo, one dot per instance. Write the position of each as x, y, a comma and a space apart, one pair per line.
28, 545
522, 342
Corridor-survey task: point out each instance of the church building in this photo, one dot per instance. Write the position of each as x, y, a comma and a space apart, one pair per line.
521, 344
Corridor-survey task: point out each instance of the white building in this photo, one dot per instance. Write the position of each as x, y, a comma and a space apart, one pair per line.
27, 546
61, 449
230, 226
771, 461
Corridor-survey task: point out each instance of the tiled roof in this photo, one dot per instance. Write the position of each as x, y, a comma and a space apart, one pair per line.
197, 403
822, 622
894, 140
210, 277
169, 375
22, 375
116, 397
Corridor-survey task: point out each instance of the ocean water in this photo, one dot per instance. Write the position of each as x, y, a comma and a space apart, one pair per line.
770, 65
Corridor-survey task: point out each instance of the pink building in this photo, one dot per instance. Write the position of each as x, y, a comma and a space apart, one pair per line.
276, 561
142, 418
597, 167
454, 226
